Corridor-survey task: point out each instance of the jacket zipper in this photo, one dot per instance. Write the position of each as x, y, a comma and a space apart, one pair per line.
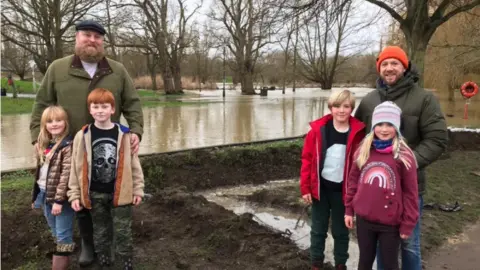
318, 167
118, 158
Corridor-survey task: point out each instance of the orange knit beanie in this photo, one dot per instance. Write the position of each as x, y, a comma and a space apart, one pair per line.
392, 52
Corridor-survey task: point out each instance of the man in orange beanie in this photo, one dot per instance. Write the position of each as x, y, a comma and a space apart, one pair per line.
391, 64
422, 124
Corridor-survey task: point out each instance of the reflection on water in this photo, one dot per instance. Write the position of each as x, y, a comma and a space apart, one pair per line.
237, 119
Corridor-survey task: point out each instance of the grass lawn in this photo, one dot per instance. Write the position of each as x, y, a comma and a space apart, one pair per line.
149, 99
19, 183
24, 87
451, 180
16, 105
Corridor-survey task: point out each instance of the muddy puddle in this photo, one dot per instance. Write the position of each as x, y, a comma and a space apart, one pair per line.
295, 225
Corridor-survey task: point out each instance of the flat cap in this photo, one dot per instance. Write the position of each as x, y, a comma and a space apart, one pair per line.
90, 25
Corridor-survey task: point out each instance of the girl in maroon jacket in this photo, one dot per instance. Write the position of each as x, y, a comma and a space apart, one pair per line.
382, 189
326, 159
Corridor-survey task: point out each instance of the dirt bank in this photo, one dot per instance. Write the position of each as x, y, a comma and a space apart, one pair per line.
172, 230
254, 164
209, 168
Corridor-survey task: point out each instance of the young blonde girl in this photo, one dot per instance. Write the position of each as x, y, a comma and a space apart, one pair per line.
51, 181
383, 190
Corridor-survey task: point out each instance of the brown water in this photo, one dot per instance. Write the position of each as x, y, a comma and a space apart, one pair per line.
237, 119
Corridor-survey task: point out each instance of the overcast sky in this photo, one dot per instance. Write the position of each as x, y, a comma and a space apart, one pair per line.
365, 11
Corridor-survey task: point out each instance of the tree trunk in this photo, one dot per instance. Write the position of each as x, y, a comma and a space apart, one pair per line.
247, 83
177, 80
153, 73
168, 85
326, 85
285, 65
295, 52
416, 53
417, 42
153, 76
294, 73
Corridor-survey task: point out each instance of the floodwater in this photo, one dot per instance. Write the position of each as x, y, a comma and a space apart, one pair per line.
216, 121
276, 219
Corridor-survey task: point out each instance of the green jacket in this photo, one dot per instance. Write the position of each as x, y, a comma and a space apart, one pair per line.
422, 124
66, 83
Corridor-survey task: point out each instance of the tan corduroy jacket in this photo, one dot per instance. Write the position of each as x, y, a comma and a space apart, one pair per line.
129, 181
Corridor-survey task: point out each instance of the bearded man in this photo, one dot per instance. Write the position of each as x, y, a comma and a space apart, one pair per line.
67, 83
422, 124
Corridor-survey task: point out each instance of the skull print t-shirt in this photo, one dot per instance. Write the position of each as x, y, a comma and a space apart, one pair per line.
104, 159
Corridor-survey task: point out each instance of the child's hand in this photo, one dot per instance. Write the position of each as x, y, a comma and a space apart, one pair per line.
56, 209
404, 236
307, 198
137, 200
349, 222
76, 205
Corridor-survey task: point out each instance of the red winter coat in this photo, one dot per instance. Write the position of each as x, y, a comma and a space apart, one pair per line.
313, 152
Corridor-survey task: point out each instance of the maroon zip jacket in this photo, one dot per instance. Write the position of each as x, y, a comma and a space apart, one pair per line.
313, 153
384, 191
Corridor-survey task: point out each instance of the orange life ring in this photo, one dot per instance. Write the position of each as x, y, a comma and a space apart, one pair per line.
469, 89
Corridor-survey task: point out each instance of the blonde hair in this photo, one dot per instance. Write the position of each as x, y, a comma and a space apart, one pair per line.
401, 151
44, 138
336, 99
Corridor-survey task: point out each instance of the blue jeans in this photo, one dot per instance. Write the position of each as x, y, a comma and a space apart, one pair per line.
61, 226
411, 256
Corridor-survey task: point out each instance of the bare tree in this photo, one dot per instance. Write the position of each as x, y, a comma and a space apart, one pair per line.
420, 19
16, 58
289, 30
40, 27
249, 25
201, 45
151, 31
179, 40
295, 52
323, 41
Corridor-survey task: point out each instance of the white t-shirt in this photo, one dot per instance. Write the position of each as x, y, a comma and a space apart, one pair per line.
42, 178
90, 68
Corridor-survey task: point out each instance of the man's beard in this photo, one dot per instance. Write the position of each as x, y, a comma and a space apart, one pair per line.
397, 75
89, 54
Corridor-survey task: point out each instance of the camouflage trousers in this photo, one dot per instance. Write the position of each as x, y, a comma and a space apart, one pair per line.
111, 226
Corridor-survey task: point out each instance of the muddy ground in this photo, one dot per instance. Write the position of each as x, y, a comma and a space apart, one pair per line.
172, 230
459, 252
450, 179
178, 230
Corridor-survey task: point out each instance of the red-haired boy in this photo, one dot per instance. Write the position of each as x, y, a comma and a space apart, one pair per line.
106, 178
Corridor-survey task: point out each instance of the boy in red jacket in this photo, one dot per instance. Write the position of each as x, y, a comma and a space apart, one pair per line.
383, 190
326, 159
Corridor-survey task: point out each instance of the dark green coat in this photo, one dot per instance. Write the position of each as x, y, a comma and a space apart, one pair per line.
67, 84
423, 124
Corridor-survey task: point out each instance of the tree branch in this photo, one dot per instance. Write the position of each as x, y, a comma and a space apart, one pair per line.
439, 21
390, 10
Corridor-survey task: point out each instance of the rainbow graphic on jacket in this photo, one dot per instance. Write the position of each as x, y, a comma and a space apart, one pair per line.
380, 174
